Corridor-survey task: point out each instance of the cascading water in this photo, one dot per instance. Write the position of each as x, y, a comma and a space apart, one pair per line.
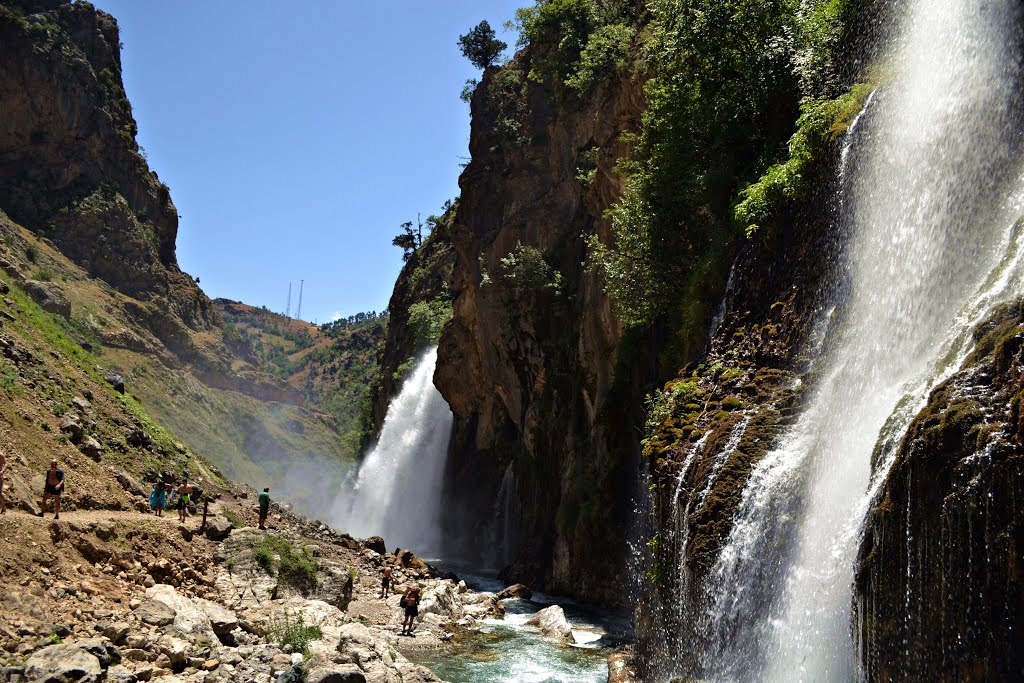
926, 199
397, 492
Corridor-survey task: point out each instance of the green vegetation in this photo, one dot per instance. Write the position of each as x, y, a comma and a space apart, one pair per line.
524, 270
821, 123
576, 42
291, 629
234, 519
276, 555
481, 45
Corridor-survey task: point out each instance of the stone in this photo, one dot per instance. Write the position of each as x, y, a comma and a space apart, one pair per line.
217, 528
105, 530
552, 623
210, 664
72, 426
89, 588
186, 533
119, 674
91, 448
516, 590
189, 619
155, 613
49, 296
102, 650
116, 632
81, 403
441, 598
115, 380
376, 544
222, 620
342, 674
132, 485
64, 662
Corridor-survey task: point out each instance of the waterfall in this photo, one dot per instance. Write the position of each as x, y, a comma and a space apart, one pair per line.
397, 492
931, 200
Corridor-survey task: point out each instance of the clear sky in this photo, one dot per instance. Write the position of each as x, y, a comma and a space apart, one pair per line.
297, 136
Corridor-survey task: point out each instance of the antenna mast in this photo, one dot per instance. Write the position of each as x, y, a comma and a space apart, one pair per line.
288, 308
298, 311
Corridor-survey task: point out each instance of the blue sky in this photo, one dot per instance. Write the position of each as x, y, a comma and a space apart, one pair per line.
297, 137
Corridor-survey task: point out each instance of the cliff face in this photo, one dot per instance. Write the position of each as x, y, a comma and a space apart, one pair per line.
938, 590
70, 168
539, 452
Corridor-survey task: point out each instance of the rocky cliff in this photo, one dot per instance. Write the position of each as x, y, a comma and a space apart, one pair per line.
539, 471
943, 539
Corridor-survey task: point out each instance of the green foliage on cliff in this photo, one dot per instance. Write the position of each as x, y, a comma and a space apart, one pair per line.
575, 41
525, 270
728, 80
822, 121
481, 45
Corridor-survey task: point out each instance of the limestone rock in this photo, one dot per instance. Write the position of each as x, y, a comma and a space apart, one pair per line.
189, 618
341, 674
65, 662
155, 613
103, 650
516, 590
91, 448
115, 380
105, 530
222, 620
552, 623
217, 528
72, 426
131, 484
119, 674
376, 544
441, 598
49, 296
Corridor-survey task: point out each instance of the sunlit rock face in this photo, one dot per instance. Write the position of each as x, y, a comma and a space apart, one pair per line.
70, 168
539, 469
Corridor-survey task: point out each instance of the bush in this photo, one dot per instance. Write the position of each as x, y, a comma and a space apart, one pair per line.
524, 269
292, 630
297, 569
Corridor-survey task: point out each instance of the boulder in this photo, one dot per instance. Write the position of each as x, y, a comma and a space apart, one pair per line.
91, 448
516, 590
105, 530
116, 381
103, 650
65, 662
376, 544
334, 584
552, 623
119, 674
222, 620
189, 618
155, 613
49, 296
442, 598
217, 528
132, 485
72, 426
81, 403
340, 674
293, 674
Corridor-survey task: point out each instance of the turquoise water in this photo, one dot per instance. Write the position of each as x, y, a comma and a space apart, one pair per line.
509, 651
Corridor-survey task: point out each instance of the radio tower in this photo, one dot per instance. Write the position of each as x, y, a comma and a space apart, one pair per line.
298, 311
288, 308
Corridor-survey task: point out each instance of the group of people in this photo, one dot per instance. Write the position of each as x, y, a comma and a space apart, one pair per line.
410, 601
182, 493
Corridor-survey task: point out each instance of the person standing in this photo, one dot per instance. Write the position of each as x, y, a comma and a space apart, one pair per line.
264, 507
411, 605
53, 488
184, 498
385, 582
3, 473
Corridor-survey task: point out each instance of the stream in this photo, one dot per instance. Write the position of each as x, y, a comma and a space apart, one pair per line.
509, 651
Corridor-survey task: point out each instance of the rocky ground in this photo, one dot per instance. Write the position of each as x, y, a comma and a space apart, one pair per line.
125, 596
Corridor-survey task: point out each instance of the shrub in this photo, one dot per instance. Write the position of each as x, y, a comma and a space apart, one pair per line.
292, 630
524, 269
297, 569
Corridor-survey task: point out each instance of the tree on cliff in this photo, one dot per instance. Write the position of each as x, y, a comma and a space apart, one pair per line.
481, 45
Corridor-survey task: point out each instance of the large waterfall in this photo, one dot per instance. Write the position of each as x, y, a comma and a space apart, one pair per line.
931, 198
397, 492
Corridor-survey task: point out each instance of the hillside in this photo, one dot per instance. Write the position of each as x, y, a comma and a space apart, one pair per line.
88, 218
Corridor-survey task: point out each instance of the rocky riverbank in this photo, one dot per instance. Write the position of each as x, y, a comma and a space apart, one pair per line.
125, 596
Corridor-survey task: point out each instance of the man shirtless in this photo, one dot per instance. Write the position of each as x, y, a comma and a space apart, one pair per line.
184, 492
3, 473
53, 489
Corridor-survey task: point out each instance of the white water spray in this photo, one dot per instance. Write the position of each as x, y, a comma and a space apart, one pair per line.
932, 229
397, 493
